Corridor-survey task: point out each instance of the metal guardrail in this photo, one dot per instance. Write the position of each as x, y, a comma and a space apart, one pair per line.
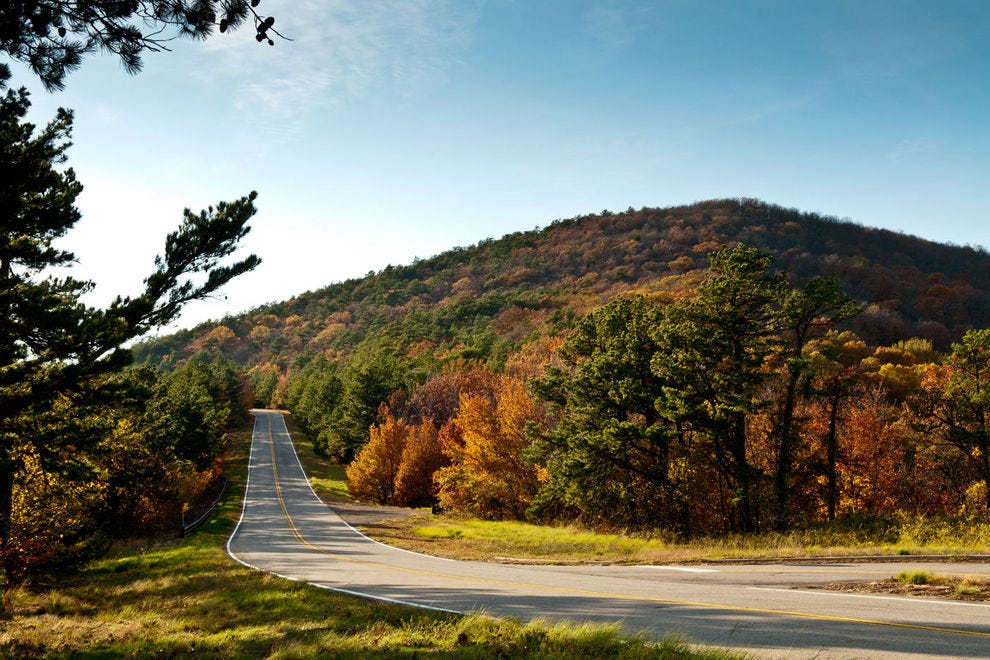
201, 519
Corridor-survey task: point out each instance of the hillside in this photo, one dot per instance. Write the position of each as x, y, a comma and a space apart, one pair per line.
490, 299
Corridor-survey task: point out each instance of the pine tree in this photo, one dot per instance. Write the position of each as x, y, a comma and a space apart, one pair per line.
713, 350
55, 351
51, 36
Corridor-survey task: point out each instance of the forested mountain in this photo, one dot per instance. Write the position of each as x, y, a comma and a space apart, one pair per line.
489, 299
725, 366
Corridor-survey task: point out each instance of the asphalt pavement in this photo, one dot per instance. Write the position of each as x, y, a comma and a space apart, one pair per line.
770, 610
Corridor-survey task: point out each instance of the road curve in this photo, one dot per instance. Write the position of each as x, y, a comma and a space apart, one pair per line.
770, 610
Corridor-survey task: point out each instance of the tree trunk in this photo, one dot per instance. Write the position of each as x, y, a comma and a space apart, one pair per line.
742, 474
6, 509
832, 457
785, 455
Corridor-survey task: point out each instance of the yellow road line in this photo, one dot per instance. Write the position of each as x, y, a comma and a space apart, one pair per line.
587, 592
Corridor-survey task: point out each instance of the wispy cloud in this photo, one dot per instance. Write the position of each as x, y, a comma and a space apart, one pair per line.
910, 149
340, 50
615, 25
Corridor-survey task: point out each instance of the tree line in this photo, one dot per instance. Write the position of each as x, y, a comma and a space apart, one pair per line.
746, 405
132, 466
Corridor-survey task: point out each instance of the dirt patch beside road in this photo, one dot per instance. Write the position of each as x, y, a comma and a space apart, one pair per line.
935, 586
369, 516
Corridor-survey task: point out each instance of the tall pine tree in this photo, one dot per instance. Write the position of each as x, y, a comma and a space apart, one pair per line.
54, 350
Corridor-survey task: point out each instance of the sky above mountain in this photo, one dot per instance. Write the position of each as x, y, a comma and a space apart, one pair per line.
390, 130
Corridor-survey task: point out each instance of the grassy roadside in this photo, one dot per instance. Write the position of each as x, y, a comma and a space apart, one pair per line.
189, 599
465, 538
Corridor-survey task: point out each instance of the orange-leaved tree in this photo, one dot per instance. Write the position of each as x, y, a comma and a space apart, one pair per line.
371, 475
421, 458
489, 476
953, 404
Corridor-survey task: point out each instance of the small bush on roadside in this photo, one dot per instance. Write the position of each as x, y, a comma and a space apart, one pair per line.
915, 577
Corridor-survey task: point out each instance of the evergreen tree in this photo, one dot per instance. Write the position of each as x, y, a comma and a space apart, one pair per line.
55, 351
51, 36
609, 456
712, 356
806, 315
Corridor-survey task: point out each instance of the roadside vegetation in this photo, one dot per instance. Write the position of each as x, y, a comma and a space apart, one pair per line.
683, 417
460, 536
189, 599
471, 538
924, 584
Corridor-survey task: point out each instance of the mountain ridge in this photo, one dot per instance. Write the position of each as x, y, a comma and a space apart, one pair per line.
486, 300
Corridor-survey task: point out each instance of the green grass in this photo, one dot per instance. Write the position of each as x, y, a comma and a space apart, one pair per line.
467, 538
915, 577
966, 589
513, 539
333, 487
189, 599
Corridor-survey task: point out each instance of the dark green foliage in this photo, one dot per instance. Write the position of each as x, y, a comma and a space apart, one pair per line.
56, 354
263, 381
655, 398
128, 467
610, 455
314, 393
52, 36
192, 406
713, 350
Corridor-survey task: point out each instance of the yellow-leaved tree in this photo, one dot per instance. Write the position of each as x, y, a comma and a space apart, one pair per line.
421, 457
371, 475
488, 475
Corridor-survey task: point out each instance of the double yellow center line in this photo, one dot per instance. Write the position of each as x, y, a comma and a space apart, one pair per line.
585, 592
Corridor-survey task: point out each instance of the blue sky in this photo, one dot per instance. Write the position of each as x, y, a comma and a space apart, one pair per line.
389, 130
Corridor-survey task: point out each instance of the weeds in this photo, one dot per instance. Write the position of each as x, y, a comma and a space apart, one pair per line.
965, 588
915, 577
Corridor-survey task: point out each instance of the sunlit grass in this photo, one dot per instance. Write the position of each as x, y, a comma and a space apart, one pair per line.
915, 577
466, 538
972, 586
189, 599
512, 539
333, 486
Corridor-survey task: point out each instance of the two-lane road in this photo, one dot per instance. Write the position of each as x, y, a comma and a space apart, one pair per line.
285, 529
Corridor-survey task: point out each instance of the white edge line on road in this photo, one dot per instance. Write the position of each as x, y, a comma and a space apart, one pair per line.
244, 501
822, 592
682, 569
383, 599
295, 579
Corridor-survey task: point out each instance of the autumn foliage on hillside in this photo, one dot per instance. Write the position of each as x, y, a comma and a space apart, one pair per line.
727, 366
486, 300
742, 407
